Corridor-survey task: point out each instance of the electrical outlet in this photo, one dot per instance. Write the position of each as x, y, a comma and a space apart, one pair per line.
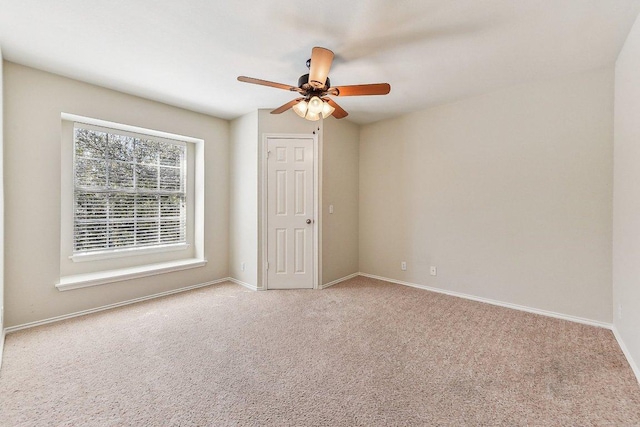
330, 209
619, 311
433, 270
403, 265
242, 266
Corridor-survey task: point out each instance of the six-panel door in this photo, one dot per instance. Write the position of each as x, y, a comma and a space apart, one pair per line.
290, 213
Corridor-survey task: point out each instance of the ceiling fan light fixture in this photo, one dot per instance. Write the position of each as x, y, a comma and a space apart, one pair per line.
327, 109
315, 105
314, 87
301, 108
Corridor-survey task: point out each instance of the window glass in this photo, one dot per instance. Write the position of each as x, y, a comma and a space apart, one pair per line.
129, 191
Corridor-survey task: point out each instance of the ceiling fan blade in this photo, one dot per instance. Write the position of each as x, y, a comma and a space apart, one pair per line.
321, 60
267, 83
286, 106
339, 112
357, 90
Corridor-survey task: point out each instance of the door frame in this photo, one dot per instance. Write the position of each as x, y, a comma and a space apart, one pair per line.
317, 193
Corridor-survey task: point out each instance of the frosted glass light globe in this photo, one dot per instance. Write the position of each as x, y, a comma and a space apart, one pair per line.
315, 105
300, 108
327, 110
312, 116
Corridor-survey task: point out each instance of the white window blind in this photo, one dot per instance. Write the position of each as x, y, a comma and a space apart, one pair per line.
129, 190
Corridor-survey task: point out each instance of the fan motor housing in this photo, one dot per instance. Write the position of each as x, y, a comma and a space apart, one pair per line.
304, 80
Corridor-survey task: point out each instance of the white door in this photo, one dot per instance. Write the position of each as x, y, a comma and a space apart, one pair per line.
290, 221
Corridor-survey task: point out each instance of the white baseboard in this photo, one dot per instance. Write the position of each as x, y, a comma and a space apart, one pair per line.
241, 283
110, 306
342, 279
547, 313
627, 354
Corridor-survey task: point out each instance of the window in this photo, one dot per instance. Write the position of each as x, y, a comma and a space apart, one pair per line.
131, 202
129, 191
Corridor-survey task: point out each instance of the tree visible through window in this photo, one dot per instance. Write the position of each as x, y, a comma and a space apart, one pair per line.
129, 192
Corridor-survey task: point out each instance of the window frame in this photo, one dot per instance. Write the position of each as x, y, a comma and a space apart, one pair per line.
97, 268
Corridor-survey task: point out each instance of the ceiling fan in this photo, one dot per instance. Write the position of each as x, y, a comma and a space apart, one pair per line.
315, 89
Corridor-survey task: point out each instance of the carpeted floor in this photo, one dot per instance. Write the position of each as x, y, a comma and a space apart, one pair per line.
361, 353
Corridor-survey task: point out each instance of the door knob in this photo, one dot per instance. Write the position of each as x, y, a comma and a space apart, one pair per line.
308, 221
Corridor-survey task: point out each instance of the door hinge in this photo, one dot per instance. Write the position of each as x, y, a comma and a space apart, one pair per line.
268, 152
267, 265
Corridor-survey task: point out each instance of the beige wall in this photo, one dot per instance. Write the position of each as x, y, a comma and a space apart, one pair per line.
33, 101
507, 194
243, 199
340, 189
626, 196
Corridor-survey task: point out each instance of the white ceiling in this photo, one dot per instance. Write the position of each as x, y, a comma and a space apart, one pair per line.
189, 52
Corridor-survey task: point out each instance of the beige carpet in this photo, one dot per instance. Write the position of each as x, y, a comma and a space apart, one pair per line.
362, 353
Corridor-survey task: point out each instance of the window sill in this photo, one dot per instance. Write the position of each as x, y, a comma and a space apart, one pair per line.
68, 283
120, 253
